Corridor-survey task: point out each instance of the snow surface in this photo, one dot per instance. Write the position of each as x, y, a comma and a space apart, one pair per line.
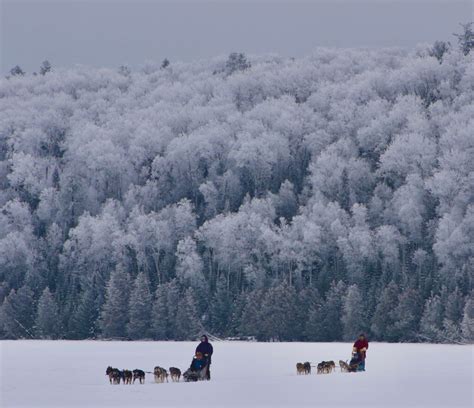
72, 373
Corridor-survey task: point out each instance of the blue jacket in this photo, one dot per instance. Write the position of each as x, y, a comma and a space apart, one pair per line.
197, 365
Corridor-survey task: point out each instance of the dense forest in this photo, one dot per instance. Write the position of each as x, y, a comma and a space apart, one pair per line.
282, 198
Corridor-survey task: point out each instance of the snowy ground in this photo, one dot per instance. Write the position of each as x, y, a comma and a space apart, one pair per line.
67, 373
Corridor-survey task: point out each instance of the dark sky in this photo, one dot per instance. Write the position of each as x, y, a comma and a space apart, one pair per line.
114, 32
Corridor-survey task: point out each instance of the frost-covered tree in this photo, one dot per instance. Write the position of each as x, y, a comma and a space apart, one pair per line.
16, 316
114, 314
453, 315
189, 265
159, 315
407, 314
277, 313
188, 324
47, 323
83, 323
431, 323
45, 67
351, 166
140, 309
221, 309
325, 323
354, 316
384, 318
17, 71
438, 49
466, 38
467, 324
237, 61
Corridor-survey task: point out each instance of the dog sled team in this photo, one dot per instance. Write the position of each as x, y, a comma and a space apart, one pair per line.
200, 366
357, 362
199, 369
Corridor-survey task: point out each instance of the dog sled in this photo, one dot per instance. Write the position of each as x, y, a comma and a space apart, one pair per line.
193, 376
356, 364
198, 369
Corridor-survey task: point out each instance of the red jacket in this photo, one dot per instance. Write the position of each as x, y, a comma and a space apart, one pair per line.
359, 345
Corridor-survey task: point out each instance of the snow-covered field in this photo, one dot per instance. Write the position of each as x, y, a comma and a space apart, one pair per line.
70, 373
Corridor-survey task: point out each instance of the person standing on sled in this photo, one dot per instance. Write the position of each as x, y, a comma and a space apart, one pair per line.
360, 349
206, 349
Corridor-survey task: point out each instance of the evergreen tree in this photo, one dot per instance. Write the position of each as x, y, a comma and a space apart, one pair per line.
236, 62
467, 324
16, 316
84, 317
188, 325
384, 320
140, 308
466, 38
407, 314
114, 315
165, 63
344, 191
354, 319
453, 315
309, 300
173, 300
17, 71
221, 309
159, 315
431, 323
45, 67
236, 318
47, 318
326, 323
250, 319
439, 49
278, 312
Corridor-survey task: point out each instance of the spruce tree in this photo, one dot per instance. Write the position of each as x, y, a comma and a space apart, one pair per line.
140, 308
467, 324
407, 314
431, 323
466, 38
383, 320
159, 315
114, 315
278, 313
453, 315
309, 300
173, 300
188, 325
354, 319
47, 318
326, 321
45, 67
250, 319
221, 309
16, 314
84, 317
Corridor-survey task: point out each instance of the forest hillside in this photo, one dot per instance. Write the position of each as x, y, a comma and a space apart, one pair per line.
283, 198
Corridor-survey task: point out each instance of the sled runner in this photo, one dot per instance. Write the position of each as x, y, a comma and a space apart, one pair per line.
357, 363
193, 376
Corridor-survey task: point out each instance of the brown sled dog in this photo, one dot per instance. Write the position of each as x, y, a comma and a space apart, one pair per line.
160, 374
300, 368
344, 366
175, 374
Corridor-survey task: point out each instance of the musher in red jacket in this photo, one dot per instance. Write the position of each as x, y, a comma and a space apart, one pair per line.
360, 347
